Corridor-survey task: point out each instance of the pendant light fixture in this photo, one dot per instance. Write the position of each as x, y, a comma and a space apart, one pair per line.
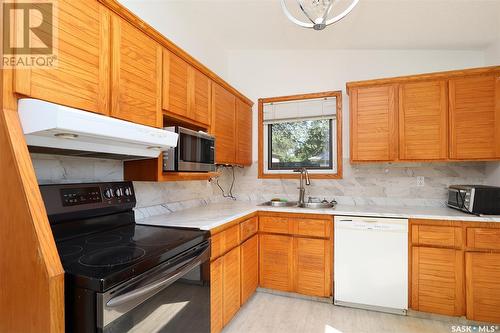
317, 12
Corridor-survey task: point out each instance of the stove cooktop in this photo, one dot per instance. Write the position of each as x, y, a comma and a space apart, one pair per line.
102, 260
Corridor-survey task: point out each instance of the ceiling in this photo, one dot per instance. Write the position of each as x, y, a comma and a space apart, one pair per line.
374, 24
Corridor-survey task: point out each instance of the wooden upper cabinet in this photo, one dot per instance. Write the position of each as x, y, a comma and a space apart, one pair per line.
475, 117
243, 133
176, 84
223, 124
136, 75
81, 78
373, 123
202, 106
423, 120
186, 91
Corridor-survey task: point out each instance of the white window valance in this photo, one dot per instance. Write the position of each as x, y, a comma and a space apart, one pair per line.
321, 108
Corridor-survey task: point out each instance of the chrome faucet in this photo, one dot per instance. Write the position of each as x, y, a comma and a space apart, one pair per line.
302, 189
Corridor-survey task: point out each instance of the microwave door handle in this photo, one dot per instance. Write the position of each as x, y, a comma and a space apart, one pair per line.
160, 283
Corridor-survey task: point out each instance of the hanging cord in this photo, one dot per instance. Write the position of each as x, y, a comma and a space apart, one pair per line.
230, 195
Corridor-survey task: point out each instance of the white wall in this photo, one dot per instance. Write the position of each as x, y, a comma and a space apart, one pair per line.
267, 73
170, 19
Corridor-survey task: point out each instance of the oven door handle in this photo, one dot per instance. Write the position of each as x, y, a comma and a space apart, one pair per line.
160, 283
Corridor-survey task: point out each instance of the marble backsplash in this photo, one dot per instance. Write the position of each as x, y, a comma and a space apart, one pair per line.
388, 184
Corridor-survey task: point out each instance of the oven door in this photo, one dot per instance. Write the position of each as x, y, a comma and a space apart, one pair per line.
195, 151
173, 297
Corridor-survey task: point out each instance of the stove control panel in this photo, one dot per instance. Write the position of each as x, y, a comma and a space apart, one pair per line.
80, 196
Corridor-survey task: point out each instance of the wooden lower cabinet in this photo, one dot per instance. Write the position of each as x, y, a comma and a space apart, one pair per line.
312, 262
437, 281
482, 275
216, 278
231, 284
249, 267
275, 262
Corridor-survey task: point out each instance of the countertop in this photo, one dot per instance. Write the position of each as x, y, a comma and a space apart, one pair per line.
216, 214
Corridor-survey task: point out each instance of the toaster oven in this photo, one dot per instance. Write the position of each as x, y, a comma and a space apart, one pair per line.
475, 199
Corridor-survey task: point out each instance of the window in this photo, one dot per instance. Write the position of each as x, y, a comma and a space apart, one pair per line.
302, 131
300, 144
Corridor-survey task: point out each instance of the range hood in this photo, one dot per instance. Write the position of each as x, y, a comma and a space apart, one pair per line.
55, 129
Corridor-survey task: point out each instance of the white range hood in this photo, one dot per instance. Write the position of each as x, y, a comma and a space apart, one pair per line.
56, 129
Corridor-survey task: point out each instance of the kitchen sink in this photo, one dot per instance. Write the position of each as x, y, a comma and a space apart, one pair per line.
280, 204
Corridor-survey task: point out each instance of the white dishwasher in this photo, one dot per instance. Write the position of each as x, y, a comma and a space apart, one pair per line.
371, 263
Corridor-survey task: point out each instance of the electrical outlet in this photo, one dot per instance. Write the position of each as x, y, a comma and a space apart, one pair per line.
420, 181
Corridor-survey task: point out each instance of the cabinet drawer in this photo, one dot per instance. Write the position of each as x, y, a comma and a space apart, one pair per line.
443, 236
217, 245
483, 238
312, 227
231, 237
248, 228
274, 224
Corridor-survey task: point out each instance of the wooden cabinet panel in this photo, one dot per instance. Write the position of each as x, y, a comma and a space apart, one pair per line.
243, 133
312, 267
275, 224
311, 227
437, 236
136, 75
275, 262
423, 120
248, 228
202, 97
475, 117
81, 78
231, 237
483, 238
483, 287
231, 284
437, 281
249, 267
217, 245
175, 97
373, 123
223, 124
216, 278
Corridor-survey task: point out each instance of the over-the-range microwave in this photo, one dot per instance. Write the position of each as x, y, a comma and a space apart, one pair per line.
195, 152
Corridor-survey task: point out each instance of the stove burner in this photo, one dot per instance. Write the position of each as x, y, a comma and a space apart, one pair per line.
104, 239
112, 256
145, 237
69, 250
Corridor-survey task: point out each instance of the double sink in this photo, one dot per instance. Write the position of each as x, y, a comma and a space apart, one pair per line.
311, 205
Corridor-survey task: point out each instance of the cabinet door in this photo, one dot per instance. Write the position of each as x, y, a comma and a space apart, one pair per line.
482, 275
249, 267
312, 267
437, 281
373, 124
81, 78
223, 124
275, 262
423, 121
231, 284
243, 133
216, 278
202, 97
475, 117
176, 79
136, 75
